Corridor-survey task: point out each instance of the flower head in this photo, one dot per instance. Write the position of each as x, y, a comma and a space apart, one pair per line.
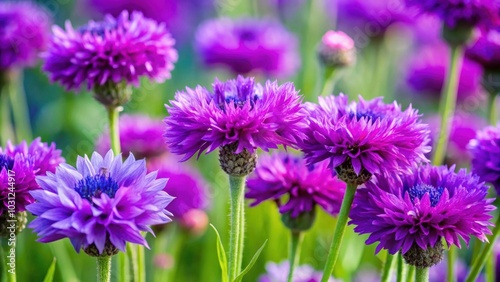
112, 51
45, 157
24, 32
486, 50
419, 209
364, 138
427, 73
246, 46
460, 12
278, 272
485, 148
285, 175
336, 49
139, 135
101, 205
239, 112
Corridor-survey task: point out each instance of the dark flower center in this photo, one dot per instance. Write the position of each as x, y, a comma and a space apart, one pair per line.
247, 36
238, 94
419, 190
94, 186
6, 162
97, 28
367, 114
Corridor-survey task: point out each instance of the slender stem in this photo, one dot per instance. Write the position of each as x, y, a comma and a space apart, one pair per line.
422, 274
236, 232
123, 270
19, 108
447, 103
452, 255
9, 271
329, 82
480, 260
390, 262
492, 113
402, 268
141, 264
295, 245
338, 234
490, 269
410, 276
132, 261
114, 133
6, 133
104, 269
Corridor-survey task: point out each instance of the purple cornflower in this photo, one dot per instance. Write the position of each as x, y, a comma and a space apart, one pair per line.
485, 150
238, 112
101, 205
278, 272
140, 135
416, 211
427, 72
45, 157
247, 46
460, 12
486, 50
112, 51
463, 129
283, 175
24, 32
364, 138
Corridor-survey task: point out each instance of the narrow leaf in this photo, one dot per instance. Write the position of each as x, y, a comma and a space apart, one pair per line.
221, 254
250, 264
49, 277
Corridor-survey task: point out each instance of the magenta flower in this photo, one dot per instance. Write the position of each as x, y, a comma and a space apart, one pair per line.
421, 208
336, 49
239, 112
486, 50
367, 136
101, 205
45, 157
284, 177
140, 135
24, 33
115, 50
247, 46
485, 148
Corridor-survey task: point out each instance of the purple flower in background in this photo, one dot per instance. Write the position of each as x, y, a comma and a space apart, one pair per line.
285, 176
367, 136
24, 32
112, 51
370, 18
239, 112
140, 135
45, 157
485, 149
278, 272
247, 46
427, 72
419, 209
336, 49
440, 272
486, 50
460, 12
463, 129
101, 205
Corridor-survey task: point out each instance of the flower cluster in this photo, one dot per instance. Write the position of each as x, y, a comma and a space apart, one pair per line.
248, 45
282, 175
364, 138
420, 209
485, 149
101, 205
115, 50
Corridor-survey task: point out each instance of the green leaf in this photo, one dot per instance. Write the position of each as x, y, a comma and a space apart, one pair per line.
250, 264
221, 254
49, 277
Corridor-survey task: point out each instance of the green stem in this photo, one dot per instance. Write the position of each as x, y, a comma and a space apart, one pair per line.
452, 255
402, 268
11, 276
390, 262
447, 103
422, 274
123, 273
410, 276
492, 113
132, 260
19, 108
104, 269
236, 232
141, 264
329, 82
295, 245
6, 133
490, 269
480, 260
114, 133
338, 234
